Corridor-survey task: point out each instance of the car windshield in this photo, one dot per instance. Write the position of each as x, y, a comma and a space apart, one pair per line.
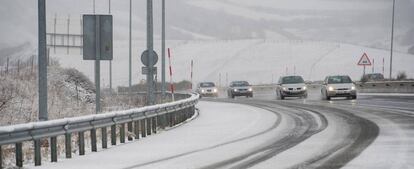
339, 79
292, 80
207, 84
241, 83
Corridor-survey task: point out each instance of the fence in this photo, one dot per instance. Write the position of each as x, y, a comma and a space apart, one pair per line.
148, 119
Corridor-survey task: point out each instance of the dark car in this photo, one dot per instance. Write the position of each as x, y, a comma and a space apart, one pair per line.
291, 86
239, 88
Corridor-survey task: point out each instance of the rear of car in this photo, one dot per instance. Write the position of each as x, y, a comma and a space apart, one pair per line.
207, 89
239, 88
338, 86
291, 86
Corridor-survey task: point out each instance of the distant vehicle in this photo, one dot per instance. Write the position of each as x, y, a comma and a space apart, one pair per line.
291, 86
239, 88
338, 86
373, 77
207, 89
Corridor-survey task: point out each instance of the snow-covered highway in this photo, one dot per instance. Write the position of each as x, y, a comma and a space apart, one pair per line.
267, 133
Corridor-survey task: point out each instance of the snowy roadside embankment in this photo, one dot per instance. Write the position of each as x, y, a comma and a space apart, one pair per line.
217, 124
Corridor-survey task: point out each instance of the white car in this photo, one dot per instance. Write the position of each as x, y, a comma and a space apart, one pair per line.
338, 86
207, 89
291, 86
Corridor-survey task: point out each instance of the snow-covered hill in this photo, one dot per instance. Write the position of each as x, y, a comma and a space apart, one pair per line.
252, 60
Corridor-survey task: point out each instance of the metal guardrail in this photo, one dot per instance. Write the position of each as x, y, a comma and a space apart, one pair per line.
386, 87
148, 119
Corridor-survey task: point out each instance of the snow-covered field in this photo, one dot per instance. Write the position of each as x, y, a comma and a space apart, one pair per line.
252, 60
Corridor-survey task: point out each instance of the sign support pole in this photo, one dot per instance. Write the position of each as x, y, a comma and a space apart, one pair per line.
42, 61
163, 86
150, 75
98, 69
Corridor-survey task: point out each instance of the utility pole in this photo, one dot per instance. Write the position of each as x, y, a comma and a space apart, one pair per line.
150, 48
392, 37
110, 61
42, 61
130, 50
163, 86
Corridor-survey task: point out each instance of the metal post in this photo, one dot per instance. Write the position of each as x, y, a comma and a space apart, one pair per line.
98, 69
163, 86
7, 66
68, 34
373, 65
110, 62
93, 140
113, 135
130, 50
150, 74
81, 141
54, 34
19, 154
392, 37
122, 133
42, 61
53, 149
94, 6
37, 154
68, 145
143, 131
104, 138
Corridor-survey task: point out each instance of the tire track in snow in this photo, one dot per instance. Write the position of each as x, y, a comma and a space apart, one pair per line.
275, 125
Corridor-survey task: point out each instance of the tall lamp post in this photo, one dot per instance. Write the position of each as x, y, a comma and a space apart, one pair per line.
392, 37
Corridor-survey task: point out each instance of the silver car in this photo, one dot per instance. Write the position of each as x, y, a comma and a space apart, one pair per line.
207, 89
338, 86
291, 86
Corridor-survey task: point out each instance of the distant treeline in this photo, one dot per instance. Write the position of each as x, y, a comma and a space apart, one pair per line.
142, 87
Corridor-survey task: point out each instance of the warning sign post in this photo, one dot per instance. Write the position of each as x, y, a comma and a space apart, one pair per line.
364, 61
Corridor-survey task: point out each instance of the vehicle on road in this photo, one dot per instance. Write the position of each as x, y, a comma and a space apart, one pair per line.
338, 86
239, 88
371, 77
207, 89
291, 86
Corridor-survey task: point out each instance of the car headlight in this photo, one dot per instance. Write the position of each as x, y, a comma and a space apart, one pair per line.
330, 88
202, 91
304, 87
353, 88
214, 90
250, 89
284, 88
235, 90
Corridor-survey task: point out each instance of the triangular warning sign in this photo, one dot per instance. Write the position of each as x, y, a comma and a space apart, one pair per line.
364, 61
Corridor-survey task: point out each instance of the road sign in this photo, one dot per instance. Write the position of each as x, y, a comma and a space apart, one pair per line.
145, 59
364, 61
145, 70
97, 37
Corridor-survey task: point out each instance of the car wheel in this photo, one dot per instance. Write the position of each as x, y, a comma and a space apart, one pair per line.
232, 96
354, 97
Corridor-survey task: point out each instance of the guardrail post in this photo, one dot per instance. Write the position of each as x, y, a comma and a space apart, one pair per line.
81, 137
93, 140
1, 158
171, 119
122, 133
136, 129
104, 137
19, 155
37, 154
149, 126
154, 125
68, 145
53, 149
143, 131
130, 131
113, 134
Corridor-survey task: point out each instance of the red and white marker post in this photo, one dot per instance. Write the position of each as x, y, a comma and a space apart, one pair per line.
171, 79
